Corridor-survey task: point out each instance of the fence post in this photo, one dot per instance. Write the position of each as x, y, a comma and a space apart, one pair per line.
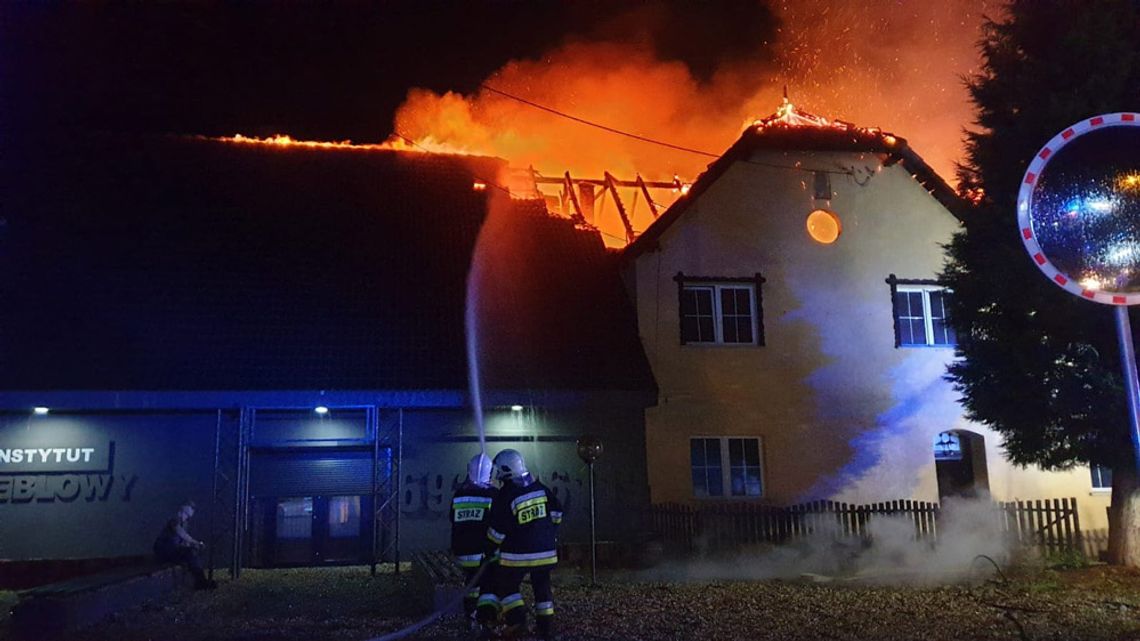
1077, 523
1062, 524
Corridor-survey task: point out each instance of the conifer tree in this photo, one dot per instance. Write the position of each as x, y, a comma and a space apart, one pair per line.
1036, 364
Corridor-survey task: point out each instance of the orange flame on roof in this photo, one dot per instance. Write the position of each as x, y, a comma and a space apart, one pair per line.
898, 66
788, 116
394, 143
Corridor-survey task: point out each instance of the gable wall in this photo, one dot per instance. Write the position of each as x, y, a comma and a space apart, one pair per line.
842, 412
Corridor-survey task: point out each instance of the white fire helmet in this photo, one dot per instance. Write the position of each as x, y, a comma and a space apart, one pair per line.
510, 466
479, 470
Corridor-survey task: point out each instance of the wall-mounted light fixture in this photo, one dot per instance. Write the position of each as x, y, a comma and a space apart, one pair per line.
40, 410
516, 408
321, 409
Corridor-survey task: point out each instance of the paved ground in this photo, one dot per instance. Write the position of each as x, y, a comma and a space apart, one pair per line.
349, 604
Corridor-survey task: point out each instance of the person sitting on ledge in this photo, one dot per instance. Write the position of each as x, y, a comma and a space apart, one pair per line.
175, 545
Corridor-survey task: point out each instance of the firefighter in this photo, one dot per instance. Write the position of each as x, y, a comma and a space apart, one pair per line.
470, 513
524, 524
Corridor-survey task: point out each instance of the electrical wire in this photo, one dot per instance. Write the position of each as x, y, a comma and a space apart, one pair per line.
598, 125
645, 139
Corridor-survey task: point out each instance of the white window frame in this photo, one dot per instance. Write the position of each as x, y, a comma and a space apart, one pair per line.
718, 314
726, 468
927, 314
1095, 476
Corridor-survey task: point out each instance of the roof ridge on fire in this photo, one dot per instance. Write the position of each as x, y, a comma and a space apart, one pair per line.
792, 129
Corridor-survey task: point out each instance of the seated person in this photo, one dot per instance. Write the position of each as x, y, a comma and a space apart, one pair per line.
175, 545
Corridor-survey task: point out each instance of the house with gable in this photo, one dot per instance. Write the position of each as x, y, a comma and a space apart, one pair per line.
789, 310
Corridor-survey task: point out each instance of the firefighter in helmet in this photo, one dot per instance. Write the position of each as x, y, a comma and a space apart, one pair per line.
470, 512
524, 524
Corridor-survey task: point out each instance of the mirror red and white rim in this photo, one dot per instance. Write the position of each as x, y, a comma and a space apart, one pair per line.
1025, 202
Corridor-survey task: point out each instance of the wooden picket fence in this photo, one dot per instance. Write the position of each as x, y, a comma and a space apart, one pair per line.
1052, 525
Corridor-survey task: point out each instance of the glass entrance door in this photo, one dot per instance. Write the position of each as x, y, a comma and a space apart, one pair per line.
310, 530
343, 535
293, 531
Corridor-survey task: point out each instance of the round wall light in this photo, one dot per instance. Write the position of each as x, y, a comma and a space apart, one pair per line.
823, 226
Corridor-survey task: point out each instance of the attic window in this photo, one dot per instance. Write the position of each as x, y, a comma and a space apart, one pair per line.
822, 185
823, 226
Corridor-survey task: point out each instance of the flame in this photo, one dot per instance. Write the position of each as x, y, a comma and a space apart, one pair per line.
394, 143
975, 195
832, 53
788, 116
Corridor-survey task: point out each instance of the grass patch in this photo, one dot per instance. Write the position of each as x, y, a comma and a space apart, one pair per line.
1067, 560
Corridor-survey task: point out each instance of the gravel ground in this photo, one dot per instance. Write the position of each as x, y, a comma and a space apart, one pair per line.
349, 604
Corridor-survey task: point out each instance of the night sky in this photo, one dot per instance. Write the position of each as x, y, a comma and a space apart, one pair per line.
318, 72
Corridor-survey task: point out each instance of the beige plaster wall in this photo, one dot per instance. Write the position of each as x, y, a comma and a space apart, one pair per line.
842, 412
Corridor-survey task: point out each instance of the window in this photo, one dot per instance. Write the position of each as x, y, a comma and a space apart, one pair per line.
947, 447
821, 183
720, 311
344, 516
295, 518
920, 314
726, 466
1101, 477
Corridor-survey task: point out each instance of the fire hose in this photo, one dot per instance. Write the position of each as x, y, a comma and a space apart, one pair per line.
434, 616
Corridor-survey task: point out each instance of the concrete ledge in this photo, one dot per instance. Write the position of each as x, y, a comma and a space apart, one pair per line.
57, 608
30, 573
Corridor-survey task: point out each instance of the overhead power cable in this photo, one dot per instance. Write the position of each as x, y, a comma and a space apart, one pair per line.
645, 139
598, 125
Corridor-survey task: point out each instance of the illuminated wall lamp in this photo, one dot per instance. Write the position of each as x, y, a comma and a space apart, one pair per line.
516, 408
40, 410
321, 409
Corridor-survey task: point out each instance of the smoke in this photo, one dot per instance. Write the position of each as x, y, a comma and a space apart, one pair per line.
693, 74
890, 553
897, 65
621, 85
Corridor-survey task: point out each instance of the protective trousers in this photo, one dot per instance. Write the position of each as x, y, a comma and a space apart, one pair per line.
508, 580
487, 604
471, 597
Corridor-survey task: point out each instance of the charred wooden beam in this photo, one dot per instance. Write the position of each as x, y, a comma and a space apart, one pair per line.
611, 184
568, 185
645, 192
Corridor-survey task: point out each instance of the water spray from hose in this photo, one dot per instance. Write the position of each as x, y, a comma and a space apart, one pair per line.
472, 331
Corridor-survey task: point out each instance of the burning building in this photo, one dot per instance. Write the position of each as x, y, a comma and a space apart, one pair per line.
276, 331
789, 310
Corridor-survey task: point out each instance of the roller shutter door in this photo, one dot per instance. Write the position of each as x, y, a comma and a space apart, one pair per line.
310, 473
